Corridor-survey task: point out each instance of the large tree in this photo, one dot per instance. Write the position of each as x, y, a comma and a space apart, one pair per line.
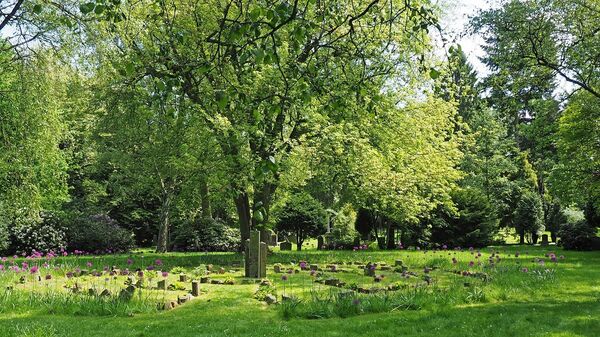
261, 72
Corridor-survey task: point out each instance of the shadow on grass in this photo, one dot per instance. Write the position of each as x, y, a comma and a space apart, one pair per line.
241, 316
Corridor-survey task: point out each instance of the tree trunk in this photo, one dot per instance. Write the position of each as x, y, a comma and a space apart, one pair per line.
205, 199
242, 204
162, 244
391, 237
264, 195
522, 237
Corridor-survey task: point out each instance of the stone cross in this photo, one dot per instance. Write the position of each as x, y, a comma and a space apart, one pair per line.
256, 257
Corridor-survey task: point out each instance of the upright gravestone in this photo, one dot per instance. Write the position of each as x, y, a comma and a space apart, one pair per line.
286, 245
195, 288
293, 239
273, 239
320, 242
256, 256
544, 240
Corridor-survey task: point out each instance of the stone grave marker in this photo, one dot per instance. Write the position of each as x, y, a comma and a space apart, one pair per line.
195, 288
256, 256
273, 239
544, 240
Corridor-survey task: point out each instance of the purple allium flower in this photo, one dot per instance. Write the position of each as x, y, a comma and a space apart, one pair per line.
165, 274
454, 261
525, 270
140, 274
313, 273
89, 264
471, 263
48, 277
284, 277
129, 261
562, 257
158, 262
1, 267
70, 274
34, 269
150, 267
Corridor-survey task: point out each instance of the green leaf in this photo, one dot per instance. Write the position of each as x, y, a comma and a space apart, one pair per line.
99, 9
255, 13
87, 8
434, 74
37, 9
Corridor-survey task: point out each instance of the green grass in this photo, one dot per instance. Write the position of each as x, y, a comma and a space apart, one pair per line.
563, 303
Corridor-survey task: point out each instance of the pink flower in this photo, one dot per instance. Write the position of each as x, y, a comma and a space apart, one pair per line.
34, 269
158, 262
165, 274
525, 270
129, 261
471, 264
284, 277
89, 264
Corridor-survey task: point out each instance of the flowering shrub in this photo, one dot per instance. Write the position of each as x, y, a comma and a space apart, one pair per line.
207, 235
99, 233
44, 234
579, 236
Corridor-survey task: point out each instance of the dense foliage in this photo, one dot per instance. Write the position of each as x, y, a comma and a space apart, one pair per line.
302, 216
186, 124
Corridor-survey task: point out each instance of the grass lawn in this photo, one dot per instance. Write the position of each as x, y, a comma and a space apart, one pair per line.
563, 301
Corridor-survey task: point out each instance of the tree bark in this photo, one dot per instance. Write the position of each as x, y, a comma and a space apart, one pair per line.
162, 244
242, 204
522, 237
205, 199
391, 236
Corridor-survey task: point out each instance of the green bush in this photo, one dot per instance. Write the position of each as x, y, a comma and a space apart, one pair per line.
302, 215
579, 236
528, 217
99, 233
206, 235
43, 234
343, 233
474, 224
